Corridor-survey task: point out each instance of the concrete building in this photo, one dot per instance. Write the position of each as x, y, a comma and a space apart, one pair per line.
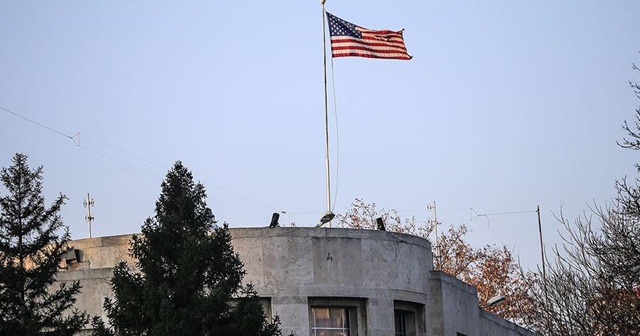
324, 281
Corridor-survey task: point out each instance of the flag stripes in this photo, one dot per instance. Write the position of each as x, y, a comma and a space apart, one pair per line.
348, 39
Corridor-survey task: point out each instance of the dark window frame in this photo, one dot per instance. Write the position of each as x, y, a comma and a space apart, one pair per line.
355, 311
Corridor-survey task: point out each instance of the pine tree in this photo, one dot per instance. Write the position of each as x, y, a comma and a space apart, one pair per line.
33, 241
186, 274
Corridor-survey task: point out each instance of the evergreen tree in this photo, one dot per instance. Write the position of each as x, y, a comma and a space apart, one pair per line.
33, 241
186, 274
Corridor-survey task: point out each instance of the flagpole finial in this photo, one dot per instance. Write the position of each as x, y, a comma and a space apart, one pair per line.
322, 2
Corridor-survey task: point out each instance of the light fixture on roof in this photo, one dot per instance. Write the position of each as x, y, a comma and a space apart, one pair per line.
494, 301
274, 220
71, 255
326, 218
380, 224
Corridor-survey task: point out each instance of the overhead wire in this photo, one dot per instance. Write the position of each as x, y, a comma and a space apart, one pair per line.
206, 183
473, 214
123, 151
487, 215
95, 152
427, 210
499, 213
335, 111
120, 162
37, 123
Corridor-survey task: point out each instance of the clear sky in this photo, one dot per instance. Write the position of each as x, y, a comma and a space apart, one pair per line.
506, 105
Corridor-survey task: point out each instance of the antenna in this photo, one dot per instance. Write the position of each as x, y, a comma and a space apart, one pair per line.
435, 222
88, 203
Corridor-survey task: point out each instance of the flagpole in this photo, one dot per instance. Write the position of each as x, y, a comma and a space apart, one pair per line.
326, 111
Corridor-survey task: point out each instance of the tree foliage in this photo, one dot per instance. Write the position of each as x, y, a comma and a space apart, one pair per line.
186, 274
33, 241
492, 270
593, 285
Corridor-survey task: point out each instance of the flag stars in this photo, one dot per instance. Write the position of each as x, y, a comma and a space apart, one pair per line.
339, 27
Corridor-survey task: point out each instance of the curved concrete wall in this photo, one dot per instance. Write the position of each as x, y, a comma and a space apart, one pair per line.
294, 266
334, 262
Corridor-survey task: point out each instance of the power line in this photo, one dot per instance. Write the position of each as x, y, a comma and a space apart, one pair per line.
425, 210
95, 152
120, 162
39, 124
123, 151
473, 211
163, 167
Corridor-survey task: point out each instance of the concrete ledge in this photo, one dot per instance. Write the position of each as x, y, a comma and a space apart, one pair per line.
329, 232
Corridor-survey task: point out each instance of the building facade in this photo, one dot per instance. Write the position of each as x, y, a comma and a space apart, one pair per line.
326, 281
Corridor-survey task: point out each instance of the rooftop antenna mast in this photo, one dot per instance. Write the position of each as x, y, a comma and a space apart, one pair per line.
88, 203
434, 221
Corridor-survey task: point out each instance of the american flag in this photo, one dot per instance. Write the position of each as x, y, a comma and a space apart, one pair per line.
348, 39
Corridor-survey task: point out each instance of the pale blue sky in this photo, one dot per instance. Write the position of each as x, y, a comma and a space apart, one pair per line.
506, 105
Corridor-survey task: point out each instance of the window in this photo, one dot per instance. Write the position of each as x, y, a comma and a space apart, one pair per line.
337, 316
405, 323
409, 318
330, 321
401, 323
